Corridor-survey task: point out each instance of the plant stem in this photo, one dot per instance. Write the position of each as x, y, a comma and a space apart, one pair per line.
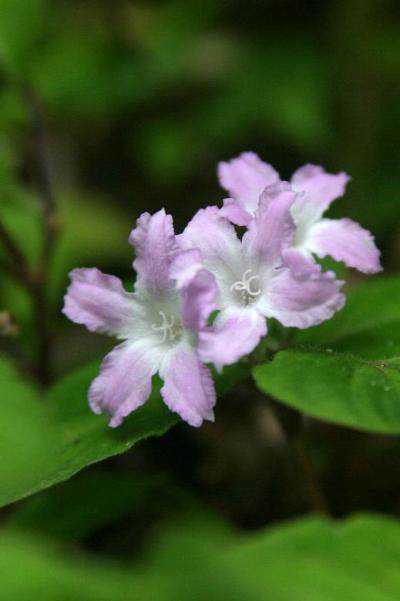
50, 228
292, 424
36, 281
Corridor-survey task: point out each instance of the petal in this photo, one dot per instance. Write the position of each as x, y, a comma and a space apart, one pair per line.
345, 240
303, 296
319, 190
234, 335
155, 246
188, 386
221, 249
124, 382
185, 267
245, 177
99, 302
273, 229
199, 300
235, 213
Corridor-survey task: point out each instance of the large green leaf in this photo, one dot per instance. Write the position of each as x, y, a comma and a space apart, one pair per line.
338, 387
369, 324
307, 560
67, 435
316, 560
45, 441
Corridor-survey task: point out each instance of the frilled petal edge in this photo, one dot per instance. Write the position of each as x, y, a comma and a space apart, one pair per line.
188, 386
300, 295
345, 240
124, 382
99, 302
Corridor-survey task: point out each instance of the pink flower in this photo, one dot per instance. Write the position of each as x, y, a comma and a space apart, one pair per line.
258, 277
159, 324
247, 176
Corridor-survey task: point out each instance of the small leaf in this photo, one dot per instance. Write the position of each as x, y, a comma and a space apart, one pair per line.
336, 387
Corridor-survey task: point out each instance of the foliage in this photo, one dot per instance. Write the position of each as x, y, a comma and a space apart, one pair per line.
201, 559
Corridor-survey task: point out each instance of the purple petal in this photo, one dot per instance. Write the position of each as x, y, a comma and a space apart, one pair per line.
301, 295
345, 240
99, 302
216, 239
235, 213
199, 300
124, 382
245, 177
188, 387
155, 246
273, 229
186, 266
319, 190
233, 336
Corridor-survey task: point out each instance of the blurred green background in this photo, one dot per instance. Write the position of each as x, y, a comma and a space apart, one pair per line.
141, 100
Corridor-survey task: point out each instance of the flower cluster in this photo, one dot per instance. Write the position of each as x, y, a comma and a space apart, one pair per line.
204, 296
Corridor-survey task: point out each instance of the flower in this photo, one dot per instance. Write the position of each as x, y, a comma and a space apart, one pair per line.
245, 178
258, 277
159, 324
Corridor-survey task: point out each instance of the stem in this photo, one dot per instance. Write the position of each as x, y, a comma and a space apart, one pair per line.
50, 228
292, 424
36, 281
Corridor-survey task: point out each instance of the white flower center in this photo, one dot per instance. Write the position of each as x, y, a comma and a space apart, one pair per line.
248, 287
169, 329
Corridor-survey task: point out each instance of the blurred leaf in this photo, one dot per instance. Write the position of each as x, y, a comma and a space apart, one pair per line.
336, 387
369, 324
75, 509
326, 561
317, 560
23, 454
77, 437
21, 23
31, 568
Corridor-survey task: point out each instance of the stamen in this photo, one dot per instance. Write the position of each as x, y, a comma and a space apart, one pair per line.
166, 327
244, 286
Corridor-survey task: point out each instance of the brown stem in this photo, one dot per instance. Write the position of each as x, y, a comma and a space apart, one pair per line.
48, 208
292, 424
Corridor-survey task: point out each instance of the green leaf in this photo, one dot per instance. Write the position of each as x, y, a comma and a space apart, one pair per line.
77, 508
310, 559
45, 441
63, 436
369, 324
24, 454
317, 560
336, 387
